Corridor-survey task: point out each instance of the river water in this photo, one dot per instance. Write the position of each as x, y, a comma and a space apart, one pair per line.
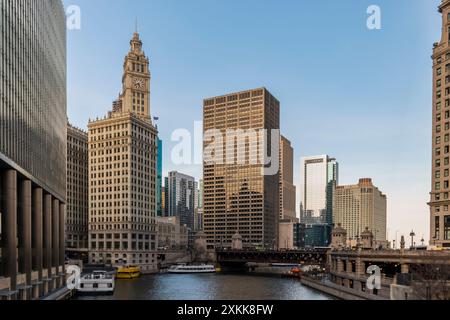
210, 287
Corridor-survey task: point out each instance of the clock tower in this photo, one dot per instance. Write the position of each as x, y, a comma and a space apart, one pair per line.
123, 152
135, 97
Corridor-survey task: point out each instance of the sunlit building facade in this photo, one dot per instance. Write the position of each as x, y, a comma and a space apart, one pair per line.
238, 197
361, 206
122, 173
440, 189
287, 188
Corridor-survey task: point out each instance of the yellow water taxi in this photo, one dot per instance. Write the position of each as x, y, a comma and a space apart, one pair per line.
128, 272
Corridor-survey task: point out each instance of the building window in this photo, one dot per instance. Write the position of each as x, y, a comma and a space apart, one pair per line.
436, 227
447, 228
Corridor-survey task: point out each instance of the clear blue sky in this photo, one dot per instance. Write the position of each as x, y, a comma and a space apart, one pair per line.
361, 96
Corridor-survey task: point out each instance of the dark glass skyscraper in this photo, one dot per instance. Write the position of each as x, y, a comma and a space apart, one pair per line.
33, 122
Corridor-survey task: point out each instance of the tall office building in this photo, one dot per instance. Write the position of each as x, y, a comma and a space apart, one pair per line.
361, 206
319, 177
77, 193
33, 122
287, 188
440, 189
159, 210
181, 195
163, 202
122, 173
198, 219
166, 197
238, 197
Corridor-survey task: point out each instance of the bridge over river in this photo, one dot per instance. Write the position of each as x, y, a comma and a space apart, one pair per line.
316, 256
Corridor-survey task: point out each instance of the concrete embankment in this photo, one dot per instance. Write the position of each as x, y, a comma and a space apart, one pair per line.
337, 291
61, 294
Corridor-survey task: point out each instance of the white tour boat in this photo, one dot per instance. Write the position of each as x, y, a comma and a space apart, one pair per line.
97, 282
182, 268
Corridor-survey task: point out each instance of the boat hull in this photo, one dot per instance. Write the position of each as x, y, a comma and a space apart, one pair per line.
188, 272
128, 276
95, 293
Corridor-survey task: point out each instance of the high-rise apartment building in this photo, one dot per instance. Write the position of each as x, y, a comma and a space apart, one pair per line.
361, 206
122, 173
287, 188
77, 193
440, 189
181, 194
238, 196
33, 142
319, 177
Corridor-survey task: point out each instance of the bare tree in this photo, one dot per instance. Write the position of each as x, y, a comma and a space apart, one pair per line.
431, 281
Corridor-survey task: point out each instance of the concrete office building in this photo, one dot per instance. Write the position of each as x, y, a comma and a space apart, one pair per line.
122, 173
361, 206
440, 189
238, 197
159, 165
77, 193
172, 235
287, 188
33, 121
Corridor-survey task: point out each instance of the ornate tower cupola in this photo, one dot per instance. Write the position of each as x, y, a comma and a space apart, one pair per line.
135, 96
136, 43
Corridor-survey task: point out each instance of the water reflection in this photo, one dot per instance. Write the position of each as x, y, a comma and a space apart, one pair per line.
211, 287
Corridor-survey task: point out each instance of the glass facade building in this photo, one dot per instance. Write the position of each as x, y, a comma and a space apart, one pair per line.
319, 176
33, 112
181, 192
33, 129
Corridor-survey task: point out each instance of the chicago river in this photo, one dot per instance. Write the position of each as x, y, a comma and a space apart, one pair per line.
210, 287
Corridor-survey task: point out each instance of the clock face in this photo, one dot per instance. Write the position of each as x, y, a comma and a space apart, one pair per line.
139, 83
